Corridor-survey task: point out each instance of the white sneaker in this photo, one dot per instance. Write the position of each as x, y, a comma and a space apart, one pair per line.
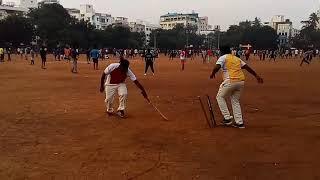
145, 74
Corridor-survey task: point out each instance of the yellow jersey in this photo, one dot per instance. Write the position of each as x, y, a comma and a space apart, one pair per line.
232, 68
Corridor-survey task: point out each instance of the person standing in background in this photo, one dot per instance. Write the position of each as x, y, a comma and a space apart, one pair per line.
1, 54
149, 59
88, 55
43, 55
9, 53
94, 54
183, 58
74, 57
32, 55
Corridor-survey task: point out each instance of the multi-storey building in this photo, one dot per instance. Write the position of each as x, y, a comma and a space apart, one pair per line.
170, 20
43, 2
6, 10
148, 30
29, 4
87, 13
121, 21
203, 24
74, 12
137, 27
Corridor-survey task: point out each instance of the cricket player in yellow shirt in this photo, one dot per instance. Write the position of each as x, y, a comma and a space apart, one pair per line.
1, 54
232, 85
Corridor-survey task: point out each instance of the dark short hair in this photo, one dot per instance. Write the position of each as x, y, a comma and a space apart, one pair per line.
225, 50
124, 64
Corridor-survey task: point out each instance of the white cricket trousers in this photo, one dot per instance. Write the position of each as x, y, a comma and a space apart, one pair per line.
233, 90
110, 91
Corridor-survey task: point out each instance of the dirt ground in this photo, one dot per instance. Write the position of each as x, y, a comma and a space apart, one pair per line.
53, 125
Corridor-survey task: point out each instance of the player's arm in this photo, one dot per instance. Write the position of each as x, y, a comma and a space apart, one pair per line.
103, 78
215, 70
105, 73
251, 71
218, 66
143, 91
138, 84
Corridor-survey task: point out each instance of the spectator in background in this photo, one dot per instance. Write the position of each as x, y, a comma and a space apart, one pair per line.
9, 53
1, 54
88, 55
32, 55
94, 54
43, 55
74, 57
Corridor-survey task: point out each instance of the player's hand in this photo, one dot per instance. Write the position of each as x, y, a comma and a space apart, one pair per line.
145, 95
101, 89
260, 80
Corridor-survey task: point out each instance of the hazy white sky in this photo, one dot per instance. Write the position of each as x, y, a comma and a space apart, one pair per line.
222, 12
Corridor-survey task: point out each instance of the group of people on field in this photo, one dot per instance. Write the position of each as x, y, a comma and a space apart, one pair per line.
114, 76
285, 53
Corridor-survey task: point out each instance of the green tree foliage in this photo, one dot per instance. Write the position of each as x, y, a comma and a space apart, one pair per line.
16, 30
55, 26
52, 23
176, 38
309, 35
260, 37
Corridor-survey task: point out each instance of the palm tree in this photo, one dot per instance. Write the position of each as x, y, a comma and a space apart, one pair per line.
313, 20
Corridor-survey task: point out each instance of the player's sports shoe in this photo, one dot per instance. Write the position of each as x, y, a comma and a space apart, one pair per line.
227, 122
145, 74
240, 126
121, 114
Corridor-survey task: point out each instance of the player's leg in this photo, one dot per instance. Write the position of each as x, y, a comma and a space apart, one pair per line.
235, 102
76, 66
110, 92
152, 68
146, 68
223, 93
123, 93
301, 62
182, 65
73, 66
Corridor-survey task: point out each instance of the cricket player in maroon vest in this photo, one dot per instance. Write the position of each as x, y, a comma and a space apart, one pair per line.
113, 79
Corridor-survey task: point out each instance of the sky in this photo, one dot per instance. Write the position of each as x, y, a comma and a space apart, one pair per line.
222, 12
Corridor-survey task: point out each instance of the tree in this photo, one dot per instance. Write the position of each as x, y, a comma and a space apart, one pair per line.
256, 22
52, 22
314, 20
260, 37
309, 35
15, 30
177, 38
